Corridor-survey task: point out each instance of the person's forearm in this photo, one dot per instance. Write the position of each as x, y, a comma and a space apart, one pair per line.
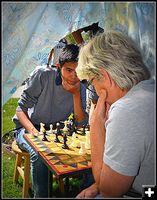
78, 110
24, 120
97, 140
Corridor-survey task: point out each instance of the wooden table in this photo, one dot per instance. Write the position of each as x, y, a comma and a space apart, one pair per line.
60, 162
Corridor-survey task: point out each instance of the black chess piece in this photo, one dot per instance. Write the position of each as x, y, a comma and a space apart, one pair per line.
71, 127
84, 130
58, 129
44, 136
57, 139
65, 146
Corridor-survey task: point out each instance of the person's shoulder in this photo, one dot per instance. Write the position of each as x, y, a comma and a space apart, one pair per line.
43, 71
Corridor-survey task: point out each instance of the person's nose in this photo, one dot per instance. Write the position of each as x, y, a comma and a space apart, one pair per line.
74, 75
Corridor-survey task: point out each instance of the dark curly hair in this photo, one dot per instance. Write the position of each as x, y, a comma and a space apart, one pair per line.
69, 54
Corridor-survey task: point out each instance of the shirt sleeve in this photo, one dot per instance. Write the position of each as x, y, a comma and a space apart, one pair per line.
123, 147
34, 87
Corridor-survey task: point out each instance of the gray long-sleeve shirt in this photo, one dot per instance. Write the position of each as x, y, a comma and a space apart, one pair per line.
45, 101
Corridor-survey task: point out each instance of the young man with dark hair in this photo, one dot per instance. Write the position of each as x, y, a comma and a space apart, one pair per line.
51, 95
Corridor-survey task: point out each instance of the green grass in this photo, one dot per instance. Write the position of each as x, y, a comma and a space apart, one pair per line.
8, 189
8, 112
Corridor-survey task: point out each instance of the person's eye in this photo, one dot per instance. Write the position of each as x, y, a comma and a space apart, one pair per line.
69, 70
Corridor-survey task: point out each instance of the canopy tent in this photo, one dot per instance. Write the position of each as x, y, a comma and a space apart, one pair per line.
31, 29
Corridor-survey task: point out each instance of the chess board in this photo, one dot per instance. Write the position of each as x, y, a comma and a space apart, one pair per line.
61, 161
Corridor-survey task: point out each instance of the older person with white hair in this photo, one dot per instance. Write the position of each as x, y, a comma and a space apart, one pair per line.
122, 123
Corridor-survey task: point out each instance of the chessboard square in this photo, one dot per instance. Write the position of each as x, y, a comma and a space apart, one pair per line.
59, 144
54, 158
47, 151
85, 163
68, 161
49, 154
56, 150
79, 158
87, 157
38, 143
63, 157
42, 149
81, 165
53, 161
51, 145
70, 152
64, 168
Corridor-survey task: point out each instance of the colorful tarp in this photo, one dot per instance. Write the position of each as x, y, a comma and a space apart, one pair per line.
31, 29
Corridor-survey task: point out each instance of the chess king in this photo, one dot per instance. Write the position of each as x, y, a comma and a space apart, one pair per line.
45, 95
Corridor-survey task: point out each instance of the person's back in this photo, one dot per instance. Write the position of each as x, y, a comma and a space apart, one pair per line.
135, 113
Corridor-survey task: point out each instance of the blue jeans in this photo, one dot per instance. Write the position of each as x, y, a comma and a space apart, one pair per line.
39, 171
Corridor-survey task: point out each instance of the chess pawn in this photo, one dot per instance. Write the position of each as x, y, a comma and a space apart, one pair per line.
74, 142
74, 136
82, 149
42, 129
51, 130
65, 129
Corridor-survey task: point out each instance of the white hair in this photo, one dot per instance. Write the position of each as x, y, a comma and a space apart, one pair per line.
117, 54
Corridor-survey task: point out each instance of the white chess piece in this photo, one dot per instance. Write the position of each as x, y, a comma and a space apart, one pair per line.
87, 144
51, 129
73, 144
65, 129
82, 149
73, 136
74, 141
42, 129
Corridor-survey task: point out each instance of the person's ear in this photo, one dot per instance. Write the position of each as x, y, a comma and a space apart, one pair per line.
58, 79
58, 66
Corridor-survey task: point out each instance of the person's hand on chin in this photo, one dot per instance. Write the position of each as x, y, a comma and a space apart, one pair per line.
72, 88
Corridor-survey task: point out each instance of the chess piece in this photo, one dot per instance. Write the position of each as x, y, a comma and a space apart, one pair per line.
87, 143
71, 128
73, 144
57, 139
51, 129
84, 130
42, 129
82, 150
44, 136
65, 129
74, 140
65, 146
74, 136
58, 129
